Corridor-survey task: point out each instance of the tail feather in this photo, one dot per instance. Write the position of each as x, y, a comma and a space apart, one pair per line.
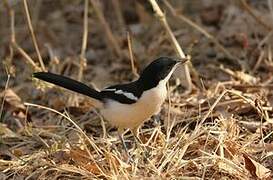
69, 84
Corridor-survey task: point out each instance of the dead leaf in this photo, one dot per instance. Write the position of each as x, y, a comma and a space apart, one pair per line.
13, 99
61, 157
232, 148
17, 152
4, 154
16, 109
57, 103
81, 158
256, 169
78, 110
231, 168
5, 132
92, 167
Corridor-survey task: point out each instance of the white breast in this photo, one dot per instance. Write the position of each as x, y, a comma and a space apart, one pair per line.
133, 115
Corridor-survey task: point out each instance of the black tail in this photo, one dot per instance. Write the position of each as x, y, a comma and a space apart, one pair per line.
68, 83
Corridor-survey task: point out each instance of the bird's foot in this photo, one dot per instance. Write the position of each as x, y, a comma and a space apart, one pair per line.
143, 147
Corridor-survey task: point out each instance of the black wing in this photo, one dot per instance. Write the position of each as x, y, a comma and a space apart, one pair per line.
124, 93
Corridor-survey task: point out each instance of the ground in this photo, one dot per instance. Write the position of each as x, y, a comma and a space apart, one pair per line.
217, 127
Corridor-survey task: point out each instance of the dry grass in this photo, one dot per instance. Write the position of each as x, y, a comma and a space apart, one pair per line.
221, 129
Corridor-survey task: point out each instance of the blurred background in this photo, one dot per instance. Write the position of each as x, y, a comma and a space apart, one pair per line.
230, 44
58, 27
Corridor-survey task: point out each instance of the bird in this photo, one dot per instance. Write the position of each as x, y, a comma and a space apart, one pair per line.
127, 105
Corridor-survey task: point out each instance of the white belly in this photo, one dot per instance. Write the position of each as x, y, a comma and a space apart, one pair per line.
133, 115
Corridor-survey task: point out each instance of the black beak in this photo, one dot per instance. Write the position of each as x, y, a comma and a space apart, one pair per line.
183, 60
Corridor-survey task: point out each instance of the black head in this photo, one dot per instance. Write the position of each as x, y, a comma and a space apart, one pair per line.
156, 71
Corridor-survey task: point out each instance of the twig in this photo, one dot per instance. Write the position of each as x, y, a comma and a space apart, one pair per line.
10, 13
270, 5
13, 39
84, 41
113, 42
12, 24
170, 155
118, 11
265, 39
134, 70
36, 12
174, 41
85, 29
201, 30
82, 59
197, 130
209, 112
252, 13
90, 140
4, 96
33, 35
26, 56
258, 62
269, 56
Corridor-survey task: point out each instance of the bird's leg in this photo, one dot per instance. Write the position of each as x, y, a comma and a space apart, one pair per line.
139, 142
120, 135
156, 118
136, 133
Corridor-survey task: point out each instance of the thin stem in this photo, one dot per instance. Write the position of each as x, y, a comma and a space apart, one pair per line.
113, 42
174, 41
129, 40
33, 35
252, 13
201, 30
84, 41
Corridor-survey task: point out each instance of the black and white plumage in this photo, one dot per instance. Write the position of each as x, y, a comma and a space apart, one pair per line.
125, 105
